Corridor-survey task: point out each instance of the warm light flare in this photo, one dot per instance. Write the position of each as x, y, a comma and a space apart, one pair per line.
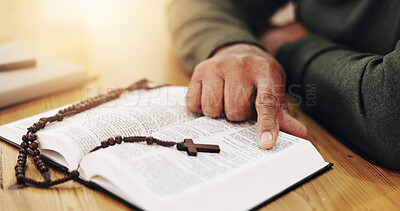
88, 13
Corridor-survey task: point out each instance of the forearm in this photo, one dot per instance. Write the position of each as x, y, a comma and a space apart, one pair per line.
355, 94
200, 27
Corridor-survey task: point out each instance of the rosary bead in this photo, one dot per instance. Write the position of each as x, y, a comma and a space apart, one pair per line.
32, 137
18, 167
94, 103
149, 140
44, 169
20, 179
36, 158
103, 98
42, 123
40, 165
24, 138
118, 139
22, 156
23, 151
35, 152
34, 129
21, 162
90, 102
83, 106
104, 144
33, 145
24, 145
20, 171
37, 125
74, 173
111, 141
59, 117
110, 97
37, 162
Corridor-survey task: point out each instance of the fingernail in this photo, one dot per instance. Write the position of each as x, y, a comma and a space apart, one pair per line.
266, 139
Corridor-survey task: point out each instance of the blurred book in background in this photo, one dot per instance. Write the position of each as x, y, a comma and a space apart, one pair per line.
49, 75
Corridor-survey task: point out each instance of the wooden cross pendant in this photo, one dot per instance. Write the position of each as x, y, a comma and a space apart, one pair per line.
192, 148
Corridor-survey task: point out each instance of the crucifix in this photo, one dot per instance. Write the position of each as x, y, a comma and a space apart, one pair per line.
192, 148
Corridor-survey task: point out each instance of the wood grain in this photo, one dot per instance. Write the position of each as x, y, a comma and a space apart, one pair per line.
130, 42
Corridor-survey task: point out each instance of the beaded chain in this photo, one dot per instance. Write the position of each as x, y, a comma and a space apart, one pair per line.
29, 144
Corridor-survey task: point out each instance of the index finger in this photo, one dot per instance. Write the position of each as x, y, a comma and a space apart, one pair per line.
268, 107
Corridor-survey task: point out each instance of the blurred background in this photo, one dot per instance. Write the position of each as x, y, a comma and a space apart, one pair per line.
120, 41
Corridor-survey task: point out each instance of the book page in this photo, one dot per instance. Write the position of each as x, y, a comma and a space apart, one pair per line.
136, 113
166, 173
156, 177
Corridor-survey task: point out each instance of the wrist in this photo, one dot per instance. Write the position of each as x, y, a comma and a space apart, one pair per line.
239, 48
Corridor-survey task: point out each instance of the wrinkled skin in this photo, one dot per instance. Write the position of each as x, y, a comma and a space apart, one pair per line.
224, 84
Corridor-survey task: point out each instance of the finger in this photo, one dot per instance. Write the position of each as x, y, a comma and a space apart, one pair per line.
238, 100
291, 125
212, 103
193, 96
267, 107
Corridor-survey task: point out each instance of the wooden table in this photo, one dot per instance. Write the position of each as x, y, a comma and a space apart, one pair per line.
120, 42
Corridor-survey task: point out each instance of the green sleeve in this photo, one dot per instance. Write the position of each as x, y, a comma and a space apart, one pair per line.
200, 27
355, 94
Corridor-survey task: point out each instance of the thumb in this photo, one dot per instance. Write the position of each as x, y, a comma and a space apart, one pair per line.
267, 107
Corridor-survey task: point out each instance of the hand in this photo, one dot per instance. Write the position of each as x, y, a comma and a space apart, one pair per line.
274, 38
225, 83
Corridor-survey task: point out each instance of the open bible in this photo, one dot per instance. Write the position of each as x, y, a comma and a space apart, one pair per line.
151, 177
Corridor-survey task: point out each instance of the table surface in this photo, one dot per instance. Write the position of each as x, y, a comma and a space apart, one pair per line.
120, 42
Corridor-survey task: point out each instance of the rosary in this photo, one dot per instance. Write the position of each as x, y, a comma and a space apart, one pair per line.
29, 144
